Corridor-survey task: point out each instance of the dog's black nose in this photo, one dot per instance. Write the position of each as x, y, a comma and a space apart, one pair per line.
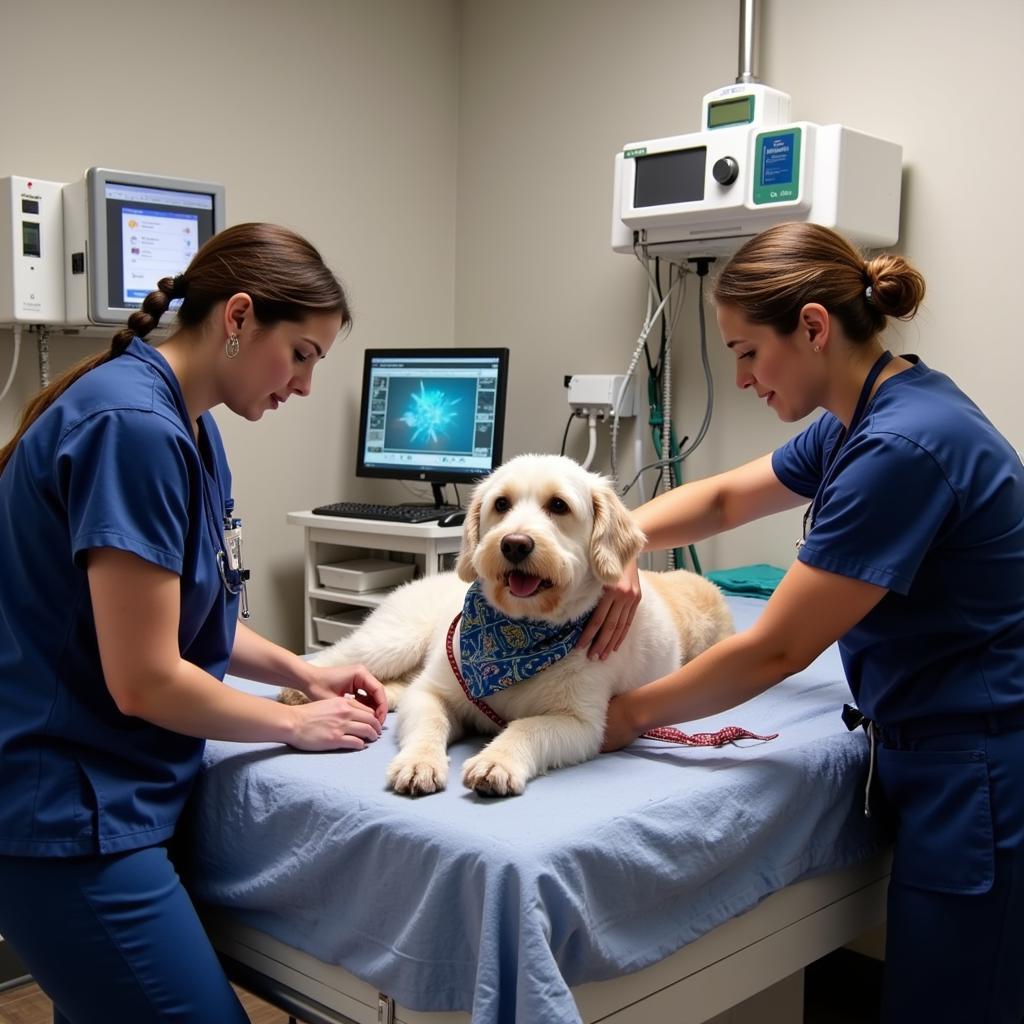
516, 546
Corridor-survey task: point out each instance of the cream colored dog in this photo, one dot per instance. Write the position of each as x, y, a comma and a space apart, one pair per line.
543, 536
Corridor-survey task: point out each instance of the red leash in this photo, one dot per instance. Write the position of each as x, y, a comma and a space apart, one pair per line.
729, 734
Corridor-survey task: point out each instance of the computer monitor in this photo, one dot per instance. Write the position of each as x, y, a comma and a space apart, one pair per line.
124, 231
436, 415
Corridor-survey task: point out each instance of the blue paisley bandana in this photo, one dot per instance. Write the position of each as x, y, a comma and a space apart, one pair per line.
498, 652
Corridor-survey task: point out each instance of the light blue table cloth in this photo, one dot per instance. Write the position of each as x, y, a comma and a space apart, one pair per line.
457, 902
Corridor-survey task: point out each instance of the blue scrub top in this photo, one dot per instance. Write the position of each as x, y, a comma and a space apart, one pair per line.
111, 464
926, 498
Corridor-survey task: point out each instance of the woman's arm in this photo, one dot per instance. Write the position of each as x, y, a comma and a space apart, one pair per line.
255, 657
681, 516
136, 607
718, 503
809, 610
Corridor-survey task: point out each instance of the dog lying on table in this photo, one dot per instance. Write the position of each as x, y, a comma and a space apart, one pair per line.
542, 537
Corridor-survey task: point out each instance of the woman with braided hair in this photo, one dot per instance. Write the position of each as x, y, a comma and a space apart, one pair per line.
912, 558
119, 601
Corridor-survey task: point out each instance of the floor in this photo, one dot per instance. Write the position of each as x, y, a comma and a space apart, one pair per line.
843, 988
839, 989
26, 1004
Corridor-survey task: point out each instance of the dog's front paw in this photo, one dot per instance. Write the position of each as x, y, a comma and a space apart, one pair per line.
492, 776
417, 774
290, 696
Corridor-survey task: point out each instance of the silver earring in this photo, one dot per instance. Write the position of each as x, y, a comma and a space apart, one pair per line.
231, 346
817, 348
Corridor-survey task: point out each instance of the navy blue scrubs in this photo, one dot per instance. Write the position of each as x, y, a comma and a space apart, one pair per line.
87, 794
926, 498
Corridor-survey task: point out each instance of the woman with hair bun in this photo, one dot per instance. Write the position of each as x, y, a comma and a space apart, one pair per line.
912, 558
120, 591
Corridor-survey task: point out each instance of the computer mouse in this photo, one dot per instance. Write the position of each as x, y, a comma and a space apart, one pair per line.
456, 518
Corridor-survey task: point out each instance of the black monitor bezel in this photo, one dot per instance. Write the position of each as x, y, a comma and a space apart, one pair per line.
430, 475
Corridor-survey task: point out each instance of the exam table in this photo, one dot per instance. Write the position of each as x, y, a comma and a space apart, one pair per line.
658, 883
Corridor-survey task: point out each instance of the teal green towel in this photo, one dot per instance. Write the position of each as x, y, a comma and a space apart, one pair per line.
748, 580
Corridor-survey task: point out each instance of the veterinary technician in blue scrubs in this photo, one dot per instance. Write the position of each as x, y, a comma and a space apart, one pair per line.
119, 597
913, 560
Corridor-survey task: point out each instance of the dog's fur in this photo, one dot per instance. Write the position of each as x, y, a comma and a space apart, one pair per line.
582, 538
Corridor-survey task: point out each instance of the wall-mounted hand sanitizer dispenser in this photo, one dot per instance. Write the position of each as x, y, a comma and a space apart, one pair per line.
31, 251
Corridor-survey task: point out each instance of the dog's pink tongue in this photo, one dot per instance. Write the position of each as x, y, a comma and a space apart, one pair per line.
523, 585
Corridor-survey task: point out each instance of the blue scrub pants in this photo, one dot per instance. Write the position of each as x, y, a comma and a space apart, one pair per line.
955, 940
114, 938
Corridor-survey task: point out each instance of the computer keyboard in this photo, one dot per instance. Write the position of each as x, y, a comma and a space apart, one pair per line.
385, 513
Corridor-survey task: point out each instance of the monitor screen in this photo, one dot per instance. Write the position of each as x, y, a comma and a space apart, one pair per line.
673, 177
138, 229
432, 414
151, 233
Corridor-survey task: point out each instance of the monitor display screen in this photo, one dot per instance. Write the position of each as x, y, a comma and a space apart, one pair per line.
673, 177
151, 233
432, 414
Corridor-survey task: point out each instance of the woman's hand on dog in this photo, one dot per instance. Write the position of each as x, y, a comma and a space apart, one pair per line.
352, 681
334, 723
610, 620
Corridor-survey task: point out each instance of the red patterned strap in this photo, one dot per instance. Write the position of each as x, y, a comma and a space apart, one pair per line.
481, 705
729, 734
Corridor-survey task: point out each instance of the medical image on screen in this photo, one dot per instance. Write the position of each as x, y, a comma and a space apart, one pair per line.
484, 434
431, 414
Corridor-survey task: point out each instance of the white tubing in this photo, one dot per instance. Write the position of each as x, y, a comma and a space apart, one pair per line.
16, 330
592, 450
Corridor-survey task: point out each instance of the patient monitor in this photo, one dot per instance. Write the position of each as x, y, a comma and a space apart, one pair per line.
747, 168
124, 231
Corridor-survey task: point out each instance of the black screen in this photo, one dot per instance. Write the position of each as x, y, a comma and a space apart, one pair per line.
664, 178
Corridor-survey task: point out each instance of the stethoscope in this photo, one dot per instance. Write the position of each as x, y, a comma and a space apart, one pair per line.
865, 393
233, 574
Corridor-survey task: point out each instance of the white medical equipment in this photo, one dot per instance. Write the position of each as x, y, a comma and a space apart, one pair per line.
75, 257
31, 251
750, 167
124, 231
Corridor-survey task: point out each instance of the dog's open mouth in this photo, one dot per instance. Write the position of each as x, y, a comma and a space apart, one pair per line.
522, 584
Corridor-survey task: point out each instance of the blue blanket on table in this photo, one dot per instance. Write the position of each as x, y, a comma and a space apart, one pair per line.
457, 902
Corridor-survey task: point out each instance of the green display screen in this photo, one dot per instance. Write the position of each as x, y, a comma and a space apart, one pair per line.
726, 112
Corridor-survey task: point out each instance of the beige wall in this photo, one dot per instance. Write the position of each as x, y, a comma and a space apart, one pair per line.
551, 90
334, 117
453, 160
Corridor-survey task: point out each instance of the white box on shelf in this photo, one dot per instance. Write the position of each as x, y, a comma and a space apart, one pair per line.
331, 628
365, 574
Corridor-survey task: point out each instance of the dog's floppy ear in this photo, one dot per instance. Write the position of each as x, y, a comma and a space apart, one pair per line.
470, 537
615, 538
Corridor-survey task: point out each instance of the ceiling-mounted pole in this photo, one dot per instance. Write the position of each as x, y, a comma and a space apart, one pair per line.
750, 27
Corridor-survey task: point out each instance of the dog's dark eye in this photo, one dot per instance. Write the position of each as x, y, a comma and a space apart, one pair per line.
502, 504
558, 507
